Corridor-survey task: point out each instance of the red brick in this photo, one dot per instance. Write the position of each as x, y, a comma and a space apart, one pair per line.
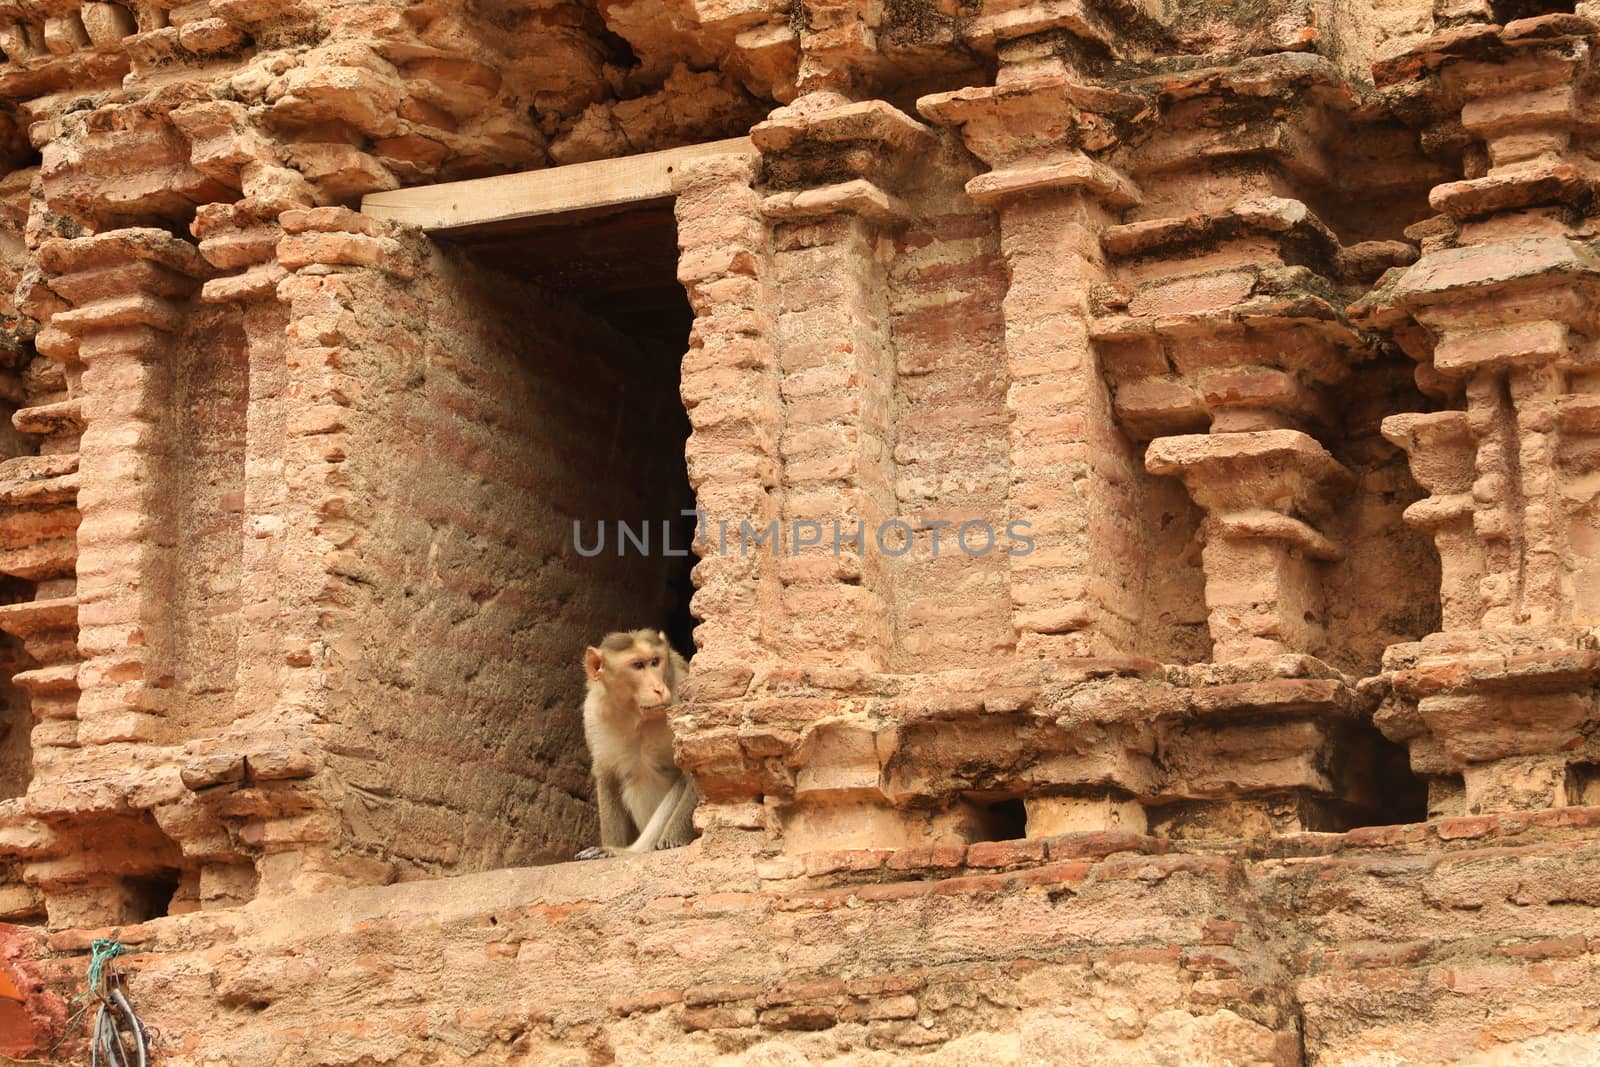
1378, 836
800, 1017
641, 1002
885, 984
1005, 853
699, 995
1066, 873
798, 992
728, 903
853, 859
719, 1018
1221, 961
1157, 868
1554, 948
974, 883
1098, 844
891, 891
1383, 956
1143, 955
1464, 826
1574, 817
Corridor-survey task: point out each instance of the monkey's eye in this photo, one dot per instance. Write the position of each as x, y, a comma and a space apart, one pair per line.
656, 662
637, 664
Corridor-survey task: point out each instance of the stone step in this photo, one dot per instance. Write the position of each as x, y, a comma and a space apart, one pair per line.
64, 416
34, 617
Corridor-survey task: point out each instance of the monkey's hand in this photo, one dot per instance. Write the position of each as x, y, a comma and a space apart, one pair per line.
596, 852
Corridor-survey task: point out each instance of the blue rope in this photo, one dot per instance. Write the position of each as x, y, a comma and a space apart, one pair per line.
102, 950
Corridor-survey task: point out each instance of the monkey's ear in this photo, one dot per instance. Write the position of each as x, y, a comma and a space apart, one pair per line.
592, 659
662, 635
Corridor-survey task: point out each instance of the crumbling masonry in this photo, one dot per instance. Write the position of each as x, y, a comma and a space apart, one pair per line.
1275, 325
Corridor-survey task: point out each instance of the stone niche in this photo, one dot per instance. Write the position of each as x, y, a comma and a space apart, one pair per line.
529, 408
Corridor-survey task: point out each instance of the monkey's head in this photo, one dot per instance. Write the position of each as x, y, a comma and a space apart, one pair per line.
636, 670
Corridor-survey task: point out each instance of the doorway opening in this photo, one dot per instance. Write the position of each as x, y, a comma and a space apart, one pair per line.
613, 274
544, 501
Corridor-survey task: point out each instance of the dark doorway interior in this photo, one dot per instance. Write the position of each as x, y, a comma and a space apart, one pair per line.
620, 266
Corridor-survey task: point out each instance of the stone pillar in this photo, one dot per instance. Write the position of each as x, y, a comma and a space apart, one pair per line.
240, 242
128, 289
1498, 708
296, 836
837, 367
1263, 583
1075, 593
729, 385
1441, 451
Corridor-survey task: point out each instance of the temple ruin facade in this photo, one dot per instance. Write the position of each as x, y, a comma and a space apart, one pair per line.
1123, 470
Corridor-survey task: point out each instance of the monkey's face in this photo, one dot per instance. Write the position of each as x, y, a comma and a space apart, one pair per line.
647, 669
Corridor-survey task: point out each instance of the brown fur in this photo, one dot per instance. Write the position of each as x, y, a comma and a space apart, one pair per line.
645, 801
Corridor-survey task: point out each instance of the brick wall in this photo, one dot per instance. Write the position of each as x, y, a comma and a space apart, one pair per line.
197, 523
952, 463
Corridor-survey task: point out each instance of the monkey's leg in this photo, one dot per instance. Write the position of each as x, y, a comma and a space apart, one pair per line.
616, 825
658, 818
680, 824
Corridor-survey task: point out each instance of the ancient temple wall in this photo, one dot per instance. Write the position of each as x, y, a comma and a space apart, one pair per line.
1274, 320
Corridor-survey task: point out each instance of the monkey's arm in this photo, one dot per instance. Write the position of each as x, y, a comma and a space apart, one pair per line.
658, 819
616, 825
679, 829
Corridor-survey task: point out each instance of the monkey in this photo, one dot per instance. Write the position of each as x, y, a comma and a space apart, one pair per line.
646, 802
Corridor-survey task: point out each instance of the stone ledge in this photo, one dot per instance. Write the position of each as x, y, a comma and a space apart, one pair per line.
560, 939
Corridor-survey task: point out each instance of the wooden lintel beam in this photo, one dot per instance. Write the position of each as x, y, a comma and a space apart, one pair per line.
603, 184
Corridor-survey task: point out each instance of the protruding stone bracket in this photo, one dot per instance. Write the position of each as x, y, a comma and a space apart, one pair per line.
1231, 352
236, 239
1090, 175
1109, 25
856, 197
1036, 123
807, 145
1285, 471
1299, 233
1525, 90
